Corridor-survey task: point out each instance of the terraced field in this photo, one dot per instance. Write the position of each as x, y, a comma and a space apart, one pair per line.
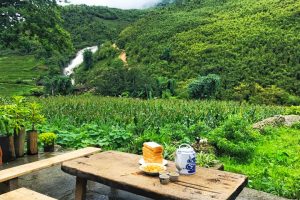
18, 74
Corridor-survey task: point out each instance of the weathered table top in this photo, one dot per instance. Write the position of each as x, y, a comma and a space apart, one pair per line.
121, 171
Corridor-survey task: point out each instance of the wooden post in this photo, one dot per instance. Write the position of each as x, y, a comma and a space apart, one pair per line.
10, 185
113, 193
80, 191
1, 154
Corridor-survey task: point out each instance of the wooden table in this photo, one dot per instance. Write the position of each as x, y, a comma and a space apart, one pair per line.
121, 171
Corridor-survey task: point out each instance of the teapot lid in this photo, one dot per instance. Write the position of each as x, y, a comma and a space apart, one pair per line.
185, 148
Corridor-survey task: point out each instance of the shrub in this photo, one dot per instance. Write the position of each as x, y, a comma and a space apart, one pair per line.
58, 85
293, 110
206, 159
234, 138
296, 126
47, 138
205, 86
88, 59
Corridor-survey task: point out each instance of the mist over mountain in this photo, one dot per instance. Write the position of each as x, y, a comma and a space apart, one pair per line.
122, 4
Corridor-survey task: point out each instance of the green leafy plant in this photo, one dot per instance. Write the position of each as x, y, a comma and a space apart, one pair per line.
35, 117
234, 138
206, 159
293, 110
7, 121
19, 112
205, 86
47, 138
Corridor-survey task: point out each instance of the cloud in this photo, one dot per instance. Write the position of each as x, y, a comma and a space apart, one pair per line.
123, 4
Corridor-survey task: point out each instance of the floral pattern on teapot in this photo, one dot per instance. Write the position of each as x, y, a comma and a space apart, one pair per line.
191, 165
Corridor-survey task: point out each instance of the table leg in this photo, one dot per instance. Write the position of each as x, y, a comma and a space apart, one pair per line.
113, 194
9, 185
80, 190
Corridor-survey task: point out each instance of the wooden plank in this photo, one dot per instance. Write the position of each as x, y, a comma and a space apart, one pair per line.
121, 171
80, 190
21, 170
24, 194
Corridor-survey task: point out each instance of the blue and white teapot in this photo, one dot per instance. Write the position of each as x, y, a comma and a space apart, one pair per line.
185, 160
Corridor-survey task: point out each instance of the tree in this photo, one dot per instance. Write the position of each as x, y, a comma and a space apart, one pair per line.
34, 25
58, 85
88, 59
205, 87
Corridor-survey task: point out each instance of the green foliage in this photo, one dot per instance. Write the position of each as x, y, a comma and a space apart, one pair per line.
296, 126
7, 123
91, 25
18, 74
293, 110
35, 116
242, 41
36, 27
47, 138
274, 167
205, 87
206, 159
255, 93
234, 138
109, 76
87, 59
58, 85
125, 124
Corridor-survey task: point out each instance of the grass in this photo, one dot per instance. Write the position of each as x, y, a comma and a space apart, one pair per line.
275, 165
18, 74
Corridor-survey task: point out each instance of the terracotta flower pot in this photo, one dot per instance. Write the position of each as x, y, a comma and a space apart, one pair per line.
19, 139
8, 148
32, 142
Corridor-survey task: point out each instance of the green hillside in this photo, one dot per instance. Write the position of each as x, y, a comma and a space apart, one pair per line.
253, 45
46, 38
91, 25
18, 74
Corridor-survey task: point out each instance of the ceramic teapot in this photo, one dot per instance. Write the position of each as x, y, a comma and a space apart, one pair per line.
185, 159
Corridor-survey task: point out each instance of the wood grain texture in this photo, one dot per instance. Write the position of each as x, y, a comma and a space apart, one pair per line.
21, 170
121, 171
24, 194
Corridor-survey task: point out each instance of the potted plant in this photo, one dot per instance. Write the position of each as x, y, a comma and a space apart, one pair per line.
35, 117
20, 112
48, 140
7, 124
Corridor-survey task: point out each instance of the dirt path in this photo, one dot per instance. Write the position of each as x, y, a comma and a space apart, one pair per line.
123, 57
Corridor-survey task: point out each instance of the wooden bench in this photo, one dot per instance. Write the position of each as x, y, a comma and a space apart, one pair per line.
9, 177
24, 194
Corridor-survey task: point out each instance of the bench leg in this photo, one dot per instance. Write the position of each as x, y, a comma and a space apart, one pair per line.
80, 190
10, 185
113, 194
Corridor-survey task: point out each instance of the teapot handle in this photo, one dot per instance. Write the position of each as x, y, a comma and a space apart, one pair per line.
187, 145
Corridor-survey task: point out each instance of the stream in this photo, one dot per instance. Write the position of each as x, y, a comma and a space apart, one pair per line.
69, 70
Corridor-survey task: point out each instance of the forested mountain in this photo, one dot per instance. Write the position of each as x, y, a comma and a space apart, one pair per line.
223, 49
34, 27
254, 46
92, 25
46, 36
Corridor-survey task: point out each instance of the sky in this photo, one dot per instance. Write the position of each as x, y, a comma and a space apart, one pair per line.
123, 4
